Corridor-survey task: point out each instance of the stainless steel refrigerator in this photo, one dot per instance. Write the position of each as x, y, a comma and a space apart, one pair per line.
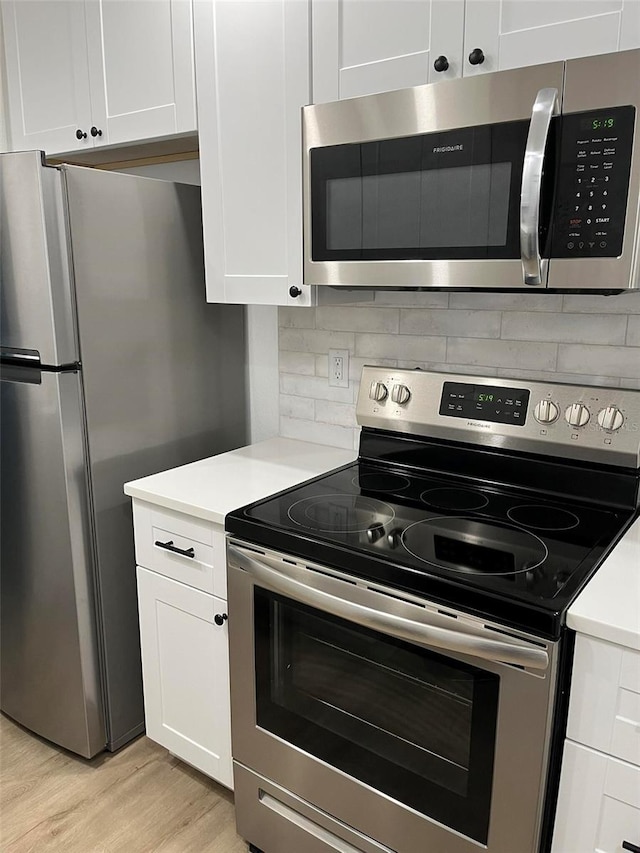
113, 367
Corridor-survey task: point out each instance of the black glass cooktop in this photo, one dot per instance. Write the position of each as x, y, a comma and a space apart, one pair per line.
512, 554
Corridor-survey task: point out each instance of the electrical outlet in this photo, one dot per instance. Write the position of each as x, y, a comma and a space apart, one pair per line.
339, 368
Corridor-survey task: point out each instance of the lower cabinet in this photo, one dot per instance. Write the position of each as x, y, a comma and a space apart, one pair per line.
599, 798
599, 802
185, 664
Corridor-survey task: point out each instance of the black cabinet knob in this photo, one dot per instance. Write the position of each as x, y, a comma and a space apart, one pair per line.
441, 64
95, 131
220, 618
80, 134
476, 57
294, 291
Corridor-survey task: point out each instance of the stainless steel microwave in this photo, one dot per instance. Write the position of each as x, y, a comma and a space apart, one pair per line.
517, 180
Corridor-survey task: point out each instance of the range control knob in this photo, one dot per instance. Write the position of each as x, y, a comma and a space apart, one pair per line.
546, 412
577, 415
378, 391
610, 418
400, 394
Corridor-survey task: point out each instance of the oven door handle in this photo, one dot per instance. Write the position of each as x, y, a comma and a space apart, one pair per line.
533, 267
420, 633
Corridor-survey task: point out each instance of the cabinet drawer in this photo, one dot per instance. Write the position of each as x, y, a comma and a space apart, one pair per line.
203, 563
604, 710
598, 803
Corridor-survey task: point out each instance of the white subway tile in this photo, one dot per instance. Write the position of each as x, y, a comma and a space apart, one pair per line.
297, 362
501, 353
564, 328
319, 433
296, 318
506, 301
297, 407
401, 347
341, 414
310, 340
472, 324
362, 318
599, 360
585, 303
412, 299
555, 376
633, 332
630, 383
316, 387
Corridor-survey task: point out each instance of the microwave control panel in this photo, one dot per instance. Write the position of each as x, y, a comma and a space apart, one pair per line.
593, 183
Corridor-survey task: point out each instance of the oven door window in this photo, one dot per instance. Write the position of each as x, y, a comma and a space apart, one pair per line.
416, 725
437, 196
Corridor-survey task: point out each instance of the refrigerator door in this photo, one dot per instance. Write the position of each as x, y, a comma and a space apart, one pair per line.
163, 377
49, 666
36, 309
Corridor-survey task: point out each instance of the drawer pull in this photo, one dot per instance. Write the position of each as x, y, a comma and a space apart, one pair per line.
627, 845
220, 618
169, 546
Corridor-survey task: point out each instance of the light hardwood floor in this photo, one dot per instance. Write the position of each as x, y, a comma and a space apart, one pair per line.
138, 800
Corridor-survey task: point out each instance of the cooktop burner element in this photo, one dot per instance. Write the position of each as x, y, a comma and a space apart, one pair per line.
460, 500
543, 517
461, 544
487, 503
375, 481
341, 513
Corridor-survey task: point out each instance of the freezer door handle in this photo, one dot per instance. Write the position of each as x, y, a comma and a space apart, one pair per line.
169, 546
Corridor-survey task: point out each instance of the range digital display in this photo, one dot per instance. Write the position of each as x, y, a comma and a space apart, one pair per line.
485, 403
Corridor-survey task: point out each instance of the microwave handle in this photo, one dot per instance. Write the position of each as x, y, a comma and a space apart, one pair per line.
543, 109
421, 633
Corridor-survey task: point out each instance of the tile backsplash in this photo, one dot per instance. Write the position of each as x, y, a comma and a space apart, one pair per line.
591, 340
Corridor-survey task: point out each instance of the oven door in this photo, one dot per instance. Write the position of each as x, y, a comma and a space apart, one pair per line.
436, 186
416, 728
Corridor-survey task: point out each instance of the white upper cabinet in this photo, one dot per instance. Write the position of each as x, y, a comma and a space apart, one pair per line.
47, 74
361, 47
141, 68
252, 78
365, 46
515, 33
87, 73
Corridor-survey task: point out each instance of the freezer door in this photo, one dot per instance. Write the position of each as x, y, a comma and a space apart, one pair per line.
36, 311
49, 670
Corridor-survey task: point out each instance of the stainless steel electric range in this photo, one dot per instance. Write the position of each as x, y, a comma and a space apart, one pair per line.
399, 656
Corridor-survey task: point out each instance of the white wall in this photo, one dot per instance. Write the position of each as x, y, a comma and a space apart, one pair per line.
183, 171
580, 339
261, 327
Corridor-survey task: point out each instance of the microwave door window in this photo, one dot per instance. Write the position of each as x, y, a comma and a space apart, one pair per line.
397, 199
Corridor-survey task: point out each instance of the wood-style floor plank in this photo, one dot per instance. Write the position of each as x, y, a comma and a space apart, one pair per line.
138, 800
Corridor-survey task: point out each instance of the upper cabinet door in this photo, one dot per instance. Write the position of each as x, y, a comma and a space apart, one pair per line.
361, 47
252, 78
515, 33
141, 69
47, 74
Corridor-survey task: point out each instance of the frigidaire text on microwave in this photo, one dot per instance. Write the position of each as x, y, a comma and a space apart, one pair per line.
524, 179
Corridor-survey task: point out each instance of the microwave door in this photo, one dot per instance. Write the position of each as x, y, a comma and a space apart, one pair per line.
422, 187
596, 230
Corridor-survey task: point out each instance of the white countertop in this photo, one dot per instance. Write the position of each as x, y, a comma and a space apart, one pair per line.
609, 606
210, 488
